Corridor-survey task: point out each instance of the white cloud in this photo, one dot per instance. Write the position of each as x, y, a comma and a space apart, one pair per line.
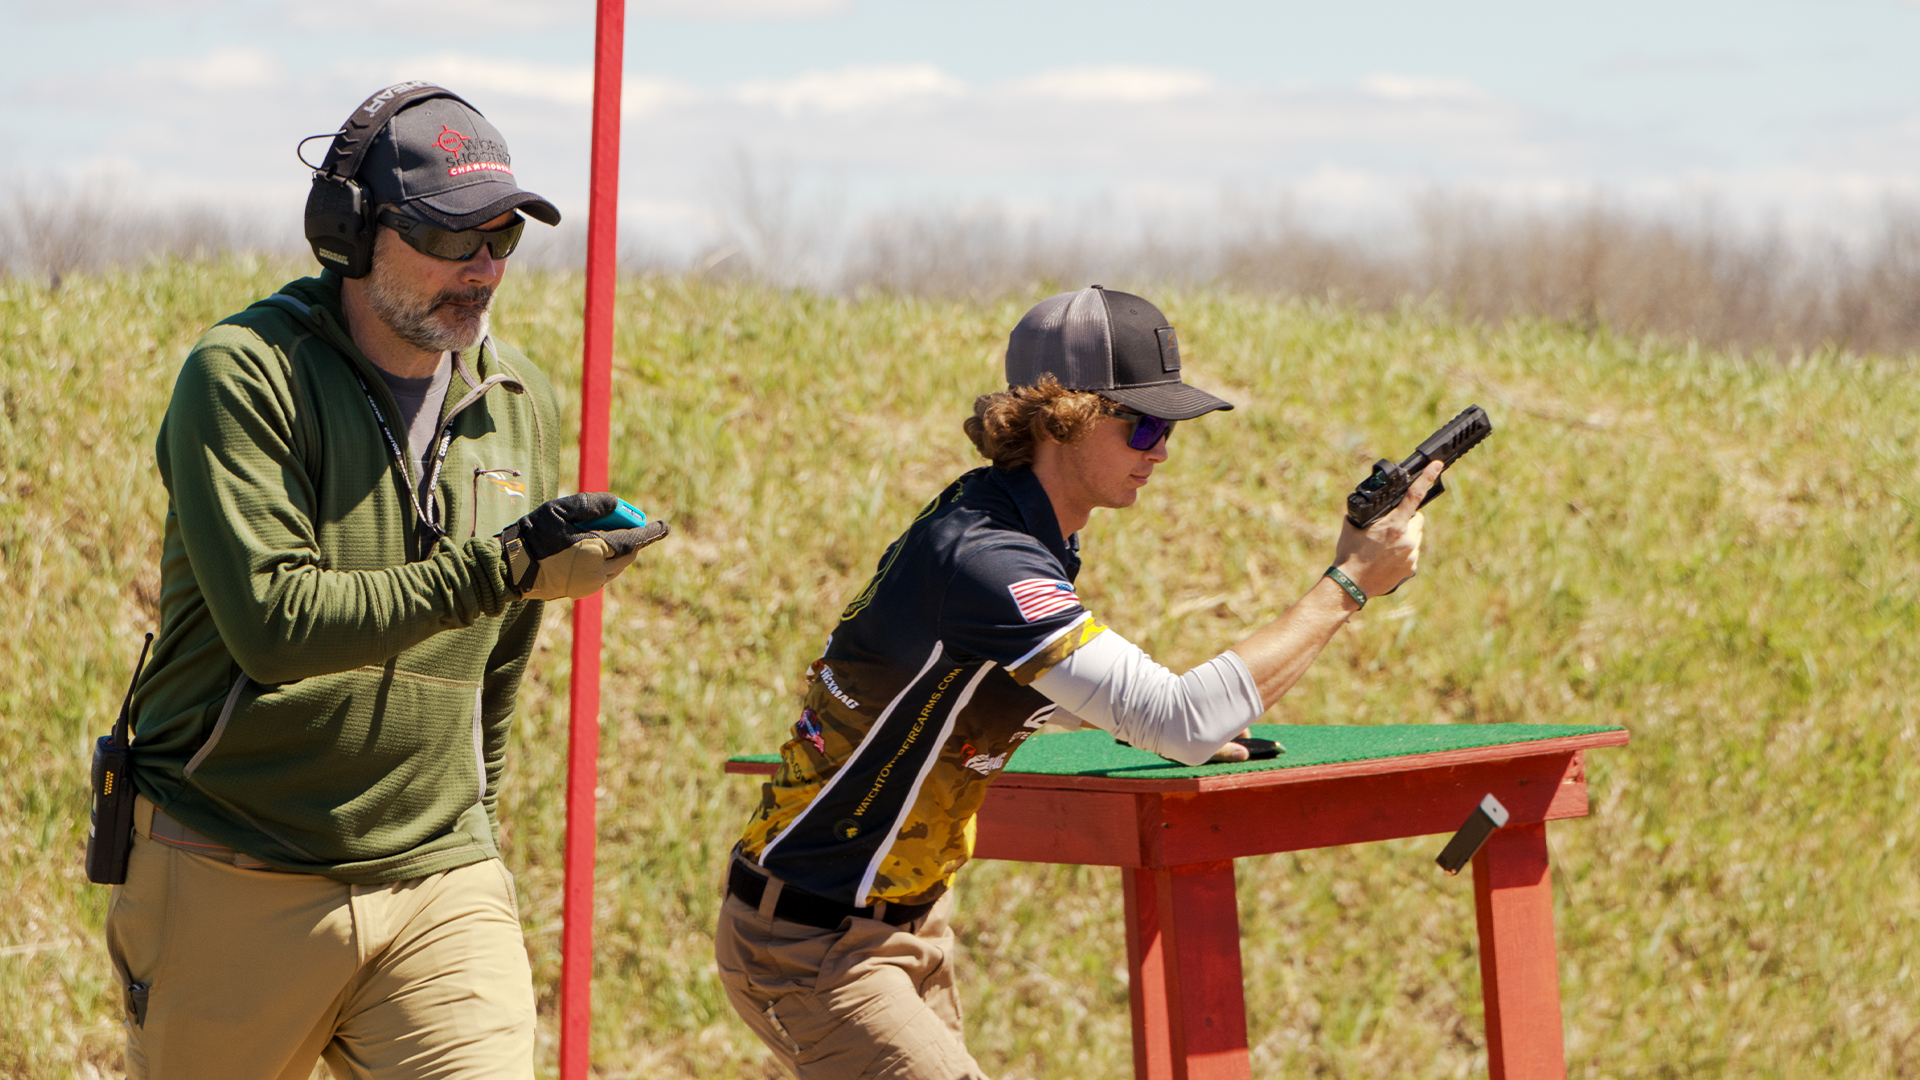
670, 212
1634, 63
438, 18
1890, 145
850, 89
49, 9
491, 81
223, 123
223, 70
480, 78
713, 10
477, 18
1115, 83
151, 82
643, 95
1405, 88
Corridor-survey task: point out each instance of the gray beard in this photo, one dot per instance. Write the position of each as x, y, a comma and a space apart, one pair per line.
426, 325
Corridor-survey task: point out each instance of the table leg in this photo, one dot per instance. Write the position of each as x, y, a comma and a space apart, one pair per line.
1183, 955
1519, 970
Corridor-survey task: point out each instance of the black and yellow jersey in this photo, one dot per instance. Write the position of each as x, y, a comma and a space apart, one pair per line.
921, 696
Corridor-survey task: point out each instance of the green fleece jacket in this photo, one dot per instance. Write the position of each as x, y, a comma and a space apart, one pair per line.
316, 699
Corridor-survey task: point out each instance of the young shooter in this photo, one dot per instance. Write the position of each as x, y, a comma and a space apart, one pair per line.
833, 943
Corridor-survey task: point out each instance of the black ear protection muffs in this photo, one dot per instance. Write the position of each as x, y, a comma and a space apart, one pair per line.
339, 219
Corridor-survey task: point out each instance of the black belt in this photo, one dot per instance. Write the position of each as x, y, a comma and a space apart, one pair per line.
807, 909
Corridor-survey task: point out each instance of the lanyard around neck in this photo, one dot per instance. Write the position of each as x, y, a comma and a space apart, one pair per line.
427, 514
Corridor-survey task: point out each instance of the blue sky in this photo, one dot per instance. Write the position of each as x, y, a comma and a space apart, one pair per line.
1784, 107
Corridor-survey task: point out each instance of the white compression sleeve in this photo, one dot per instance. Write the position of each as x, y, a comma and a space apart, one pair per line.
1112, 684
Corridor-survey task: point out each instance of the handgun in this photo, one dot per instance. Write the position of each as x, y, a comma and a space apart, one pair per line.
1383, 490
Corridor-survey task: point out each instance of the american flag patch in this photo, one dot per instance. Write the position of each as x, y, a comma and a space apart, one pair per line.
1038, 598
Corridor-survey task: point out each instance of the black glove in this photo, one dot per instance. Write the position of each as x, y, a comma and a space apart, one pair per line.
550, 556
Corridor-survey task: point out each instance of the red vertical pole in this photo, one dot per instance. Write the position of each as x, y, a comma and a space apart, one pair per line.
596, 387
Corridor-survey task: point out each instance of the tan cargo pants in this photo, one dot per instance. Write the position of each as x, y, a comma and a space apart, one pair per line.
256, 975
868, 1001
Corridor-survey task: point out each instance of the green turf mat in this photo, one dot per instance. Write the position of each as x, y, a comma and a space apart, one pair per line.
1094, 753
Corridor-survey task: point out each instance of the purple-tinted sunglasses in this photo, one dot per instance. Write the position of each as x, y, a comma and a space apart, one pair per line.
1147, 430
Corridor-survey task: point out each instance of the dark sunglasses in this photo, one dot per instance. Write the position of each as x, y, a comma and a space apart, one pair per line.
453, 246
1147, 430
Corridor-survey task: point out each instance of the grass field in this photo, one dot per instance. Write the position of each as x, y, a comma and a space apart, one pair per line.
1718, 552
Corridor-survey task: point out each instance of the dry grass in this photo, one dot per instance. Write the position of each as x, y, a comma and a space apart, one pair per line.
1717, 553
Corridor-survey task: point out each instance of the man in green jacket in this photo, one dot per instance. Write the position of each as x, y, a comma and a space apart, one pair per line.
362, 525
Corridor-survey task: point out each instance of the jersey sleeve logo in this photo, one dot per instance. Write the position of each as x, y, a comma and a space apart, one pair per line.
1038, 598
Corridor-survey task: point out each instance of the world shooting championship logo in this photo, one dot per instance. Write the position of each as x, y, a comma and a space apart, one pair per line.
467, 154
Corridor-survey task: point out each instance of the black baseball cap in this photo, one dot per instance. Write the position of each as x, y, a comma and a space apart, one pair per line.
1112, 343
440, 161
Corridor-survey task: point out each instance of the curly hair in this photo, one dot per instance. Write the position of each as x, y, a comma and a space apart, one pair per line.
1006, 426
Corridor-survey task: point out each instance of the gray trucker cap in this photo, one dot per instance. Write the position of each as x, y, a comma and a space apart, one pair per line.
1112, 343
444, 163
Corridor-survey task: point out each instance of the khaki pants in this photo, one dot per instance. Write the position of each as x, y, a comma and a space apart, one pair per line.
869, 1001
256, 975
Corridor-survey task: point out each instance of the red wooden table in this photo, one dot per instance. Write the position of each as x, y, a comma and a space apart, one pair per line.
1174, 832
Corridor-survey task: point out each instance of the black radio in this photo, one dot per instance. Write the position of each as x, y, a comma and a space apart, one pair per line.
110, 832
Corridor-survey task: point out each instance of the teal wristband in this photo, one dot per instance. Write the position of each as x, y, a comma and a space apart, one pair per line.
1346, 583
